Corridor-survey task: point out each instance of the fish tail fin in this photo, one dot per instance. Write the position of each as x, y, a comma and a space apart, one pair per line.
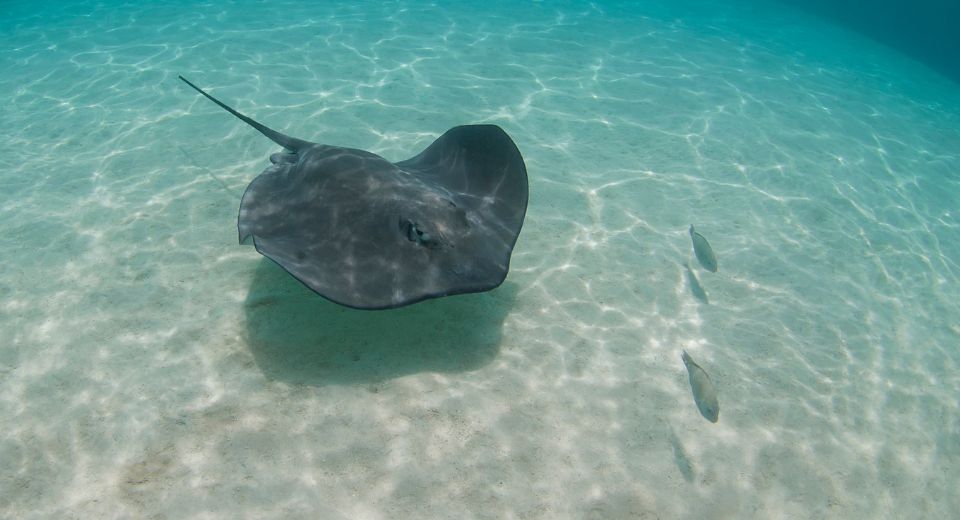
290, 143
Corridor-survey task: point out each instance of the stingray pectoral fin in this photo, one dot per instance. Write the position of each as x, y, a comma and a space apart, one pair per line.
290, 143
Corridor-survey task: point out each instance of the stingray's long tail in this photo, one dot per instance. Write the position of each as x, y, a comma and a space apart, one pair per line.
290, 143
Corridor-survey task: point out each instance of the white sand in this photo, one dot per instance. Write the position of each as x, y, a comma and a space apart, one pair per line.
151, 367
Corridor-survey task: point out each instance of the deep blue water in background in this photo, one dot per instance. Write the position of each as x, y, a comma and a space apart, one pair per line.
927, 30
151, 367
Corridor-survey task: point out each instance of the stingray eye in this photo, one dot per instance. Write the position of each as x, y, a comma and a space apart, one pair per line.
410, 230
415, 234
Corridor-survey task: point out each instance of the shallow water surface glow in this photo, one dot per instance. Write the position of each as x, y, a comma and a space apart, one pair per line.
151, 367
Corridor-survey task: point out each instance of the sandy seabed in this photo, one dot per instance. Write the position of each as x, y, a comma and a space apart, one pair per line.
151, 367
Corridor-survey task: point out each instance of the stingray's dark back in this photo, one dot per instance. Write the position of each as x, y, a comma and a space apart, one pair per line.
370, 234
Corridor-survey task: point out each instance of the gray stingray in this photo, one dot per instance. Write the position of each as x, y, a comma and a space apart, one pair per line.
370, 234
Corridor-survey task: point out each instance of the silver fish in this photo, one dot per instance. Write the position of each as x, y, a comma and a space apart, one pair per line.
704, 393
703, 251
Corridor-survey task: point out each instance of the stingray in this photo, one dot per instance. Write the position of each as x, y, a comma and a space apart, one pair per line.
370, 234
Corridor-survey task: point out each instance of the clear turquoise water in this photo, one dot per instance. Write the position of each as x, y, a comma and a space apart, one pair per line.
923, 29
152, 367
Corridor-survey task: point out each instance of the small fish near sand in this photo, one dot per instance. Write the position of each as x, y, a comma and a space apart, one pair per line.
704, 252
704, 393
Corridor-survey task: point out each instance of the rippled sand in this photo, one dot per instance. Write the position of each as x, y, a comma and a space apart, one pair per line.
152, 367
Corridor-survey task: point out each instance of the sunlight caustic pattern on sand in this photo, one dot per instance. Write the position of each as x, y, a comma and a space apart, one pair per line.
150, 366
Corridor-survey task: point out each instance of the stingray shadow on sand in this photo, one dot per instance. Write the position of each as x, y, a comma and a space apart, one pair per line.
298, 338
